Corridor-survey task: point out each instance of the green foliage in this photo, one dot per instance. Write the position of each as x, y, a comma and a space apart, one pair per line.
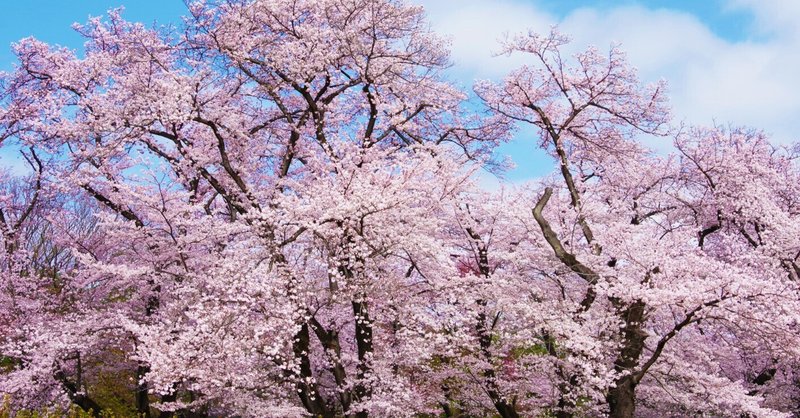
112, 387
7, 364
6, 411
538, 349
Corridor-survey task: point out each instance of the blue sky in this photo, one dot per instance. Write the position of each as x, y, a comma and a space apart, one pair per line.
51, 20
726, 60
722, 19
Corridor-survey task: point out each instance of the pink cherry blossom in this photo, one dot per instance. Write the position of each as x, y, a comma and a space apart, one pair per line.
273, 211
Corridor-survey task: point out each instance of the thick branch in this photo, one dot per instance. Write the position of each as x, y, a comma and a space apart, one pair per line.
37, 166
567, 175
569, 259
330, 341
124, 212
76, 396
689, 319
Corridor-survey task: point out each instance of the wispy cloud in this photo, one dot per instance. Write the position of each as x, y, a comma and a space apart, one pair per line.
751, 82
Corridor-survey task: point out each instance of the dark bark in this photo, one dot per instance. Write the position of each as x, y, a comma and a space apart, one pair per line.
169, 398
362, 391
566, 174
564, 405
330, 341
622, 397
484, 332
182, 413
141, 396
763, 378
505, 409
448, 411
567, 258
76, 396
449, 407
307, 391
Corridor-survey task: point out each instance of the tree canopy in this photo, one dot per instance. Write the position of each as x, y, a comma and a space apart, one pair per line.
273, 211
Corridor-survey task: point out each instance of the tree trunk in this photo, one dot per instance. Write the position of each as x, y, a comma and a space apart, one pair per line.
364, 345
141, 396
484, 331
505, 409
333, 348
622, 399
78, 396
172, 397
306, 390
565, 406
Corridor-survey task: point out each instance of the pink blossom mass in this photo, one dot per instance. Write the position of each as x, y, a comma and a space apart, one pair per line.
274, 210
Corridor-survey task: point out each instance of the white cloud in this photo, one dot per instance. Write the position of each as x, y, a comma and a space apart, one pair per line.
772, 17
476, 26
711, 79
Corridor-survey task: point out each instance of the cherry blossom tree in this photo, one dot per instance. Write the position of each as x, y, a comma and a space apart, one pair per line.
265, 202
653, 256
40, 293
271, 211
